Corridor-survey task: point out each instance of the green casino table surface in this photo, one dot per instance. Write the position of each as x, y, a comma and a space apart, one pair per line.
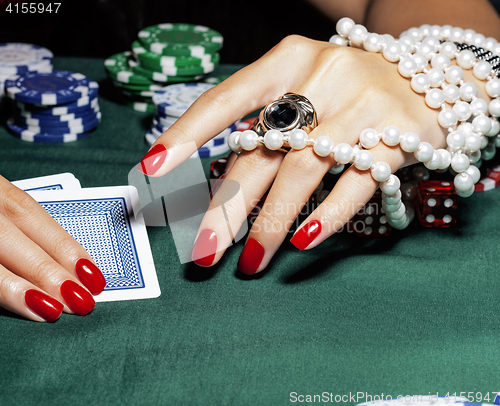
411, 314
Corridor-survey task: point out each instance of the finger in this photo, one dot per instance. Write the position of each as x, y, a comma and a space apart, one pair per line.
249, 178
27, 215
23, 257
25, 299
282, 69
352, 191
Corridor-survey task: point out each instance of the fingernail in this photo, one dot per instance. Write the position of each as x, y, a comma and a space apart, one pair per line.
43, 305
205, 248
251, 257
77, 298
306, 235
90, 275
153, 160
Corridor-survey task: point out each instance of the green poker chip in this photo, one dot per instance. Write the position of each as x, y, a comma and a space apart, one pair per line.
180, 39
140, 106
117, 67
144, 93
161, 77
183, 70
150, 58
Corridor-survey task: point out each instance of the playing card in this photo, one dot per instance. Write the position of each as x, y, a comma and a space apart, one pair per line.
52, 182
102, 220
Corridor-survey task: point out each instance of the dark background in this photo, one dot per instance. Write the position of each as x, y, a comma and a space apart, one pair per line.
100, 28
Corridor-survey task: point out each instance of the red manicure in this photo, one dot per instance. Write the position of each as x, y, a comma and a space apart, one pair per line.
153, 160
205, 248
306, 235
90, 275
43, 305
78, 299
251, 257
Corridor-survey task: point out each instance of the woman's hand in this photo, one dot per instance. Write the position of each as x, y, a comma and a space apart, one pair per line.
43, 270
350, 89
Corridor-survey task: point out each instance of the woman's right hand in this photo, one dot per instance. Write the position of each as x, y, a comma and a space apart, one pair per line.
43, 270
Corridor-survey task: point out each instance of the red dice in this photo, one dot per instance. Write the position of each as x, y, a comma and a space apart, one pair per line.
370, 220
437, 204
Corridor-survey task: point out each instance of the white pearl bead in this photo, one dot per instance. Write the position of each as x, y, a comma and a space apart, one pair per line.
435, 31
398, 217
478, 106
427, 50
405, 47
445, 158
409, 142
463, 182
454, 74
344, 26
388, 38
468, 34
432, 41
369, 138
456, 34
465, 59
440, 61
408, 41
391, 199
297, 139
463, 110
363, 160
465, 128
445, 31
474, 172
481, 124
434, 98
273, 139
372, 42
451, 93
415, 33
489, 42
436, 76
424, 152
424, 29
248, 140
381, 171
449, 49
358, 34
475, 157
481, 70
494, 108
435, 162
460, 162
468, 91
392, 52
447, 118
336, 169
343, 153
392, 208
420, 83
495, 128
323, 146
496, 49
493, 87
391, 186
478, 40
472, 143
467, 193
484, 141
420, 60
407, 67
233, 141
455, 139
337, 39
391, 135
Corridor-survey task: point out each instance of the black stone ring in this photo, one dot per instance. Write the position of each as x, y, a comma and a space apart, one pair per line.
291, 111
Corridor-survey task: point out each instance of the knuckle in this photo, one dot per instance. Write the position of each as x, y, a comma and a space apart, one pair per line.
42, 272
269, 222
16, 203
305, 164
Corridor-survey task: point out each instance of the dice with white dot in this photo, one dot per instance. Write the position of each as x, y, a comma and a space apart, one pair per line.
370, 220
437, 204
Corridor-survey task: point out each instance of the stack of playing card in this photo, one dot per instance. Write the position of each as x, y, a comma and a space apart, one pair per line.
108, 223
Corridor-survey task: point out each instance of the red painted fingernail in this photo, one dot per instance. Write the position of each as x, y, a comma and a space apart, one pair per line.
251, 257
77, 298
153, 160
205, 248
43, 305
90, 275
306, 235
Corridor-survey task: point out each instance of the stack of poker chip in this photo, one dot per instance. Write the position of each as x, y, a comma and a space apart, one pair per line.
19, 58
59, 106
163, 54
171, 102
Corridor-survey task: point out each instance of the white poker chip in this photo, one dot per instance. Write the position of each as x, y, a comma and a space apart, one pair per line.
174, 100
19, 58
150, 138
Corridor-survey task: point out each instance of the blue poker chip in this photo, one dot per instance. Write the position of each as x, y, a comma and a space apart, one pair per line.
19, 58
150, 138
174, 100
31, 136
73, 118
49, 89
36, 112
63, 129
205, 152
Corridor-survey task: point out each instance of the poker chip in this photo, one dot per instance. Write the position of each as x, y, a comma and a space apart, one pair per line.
174, 100
245, 124
19, 58
150, 138
142, 93
32, 136
490, 181
161, 77
48, 89
166, 121
117, 67
70, 119
64, 110
204, 152
142, 107
61, 128
157, 60
180, 39
184, 70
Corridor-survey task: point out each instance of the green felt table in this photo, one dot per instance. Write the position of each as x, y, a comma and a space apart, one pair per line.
410, 314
